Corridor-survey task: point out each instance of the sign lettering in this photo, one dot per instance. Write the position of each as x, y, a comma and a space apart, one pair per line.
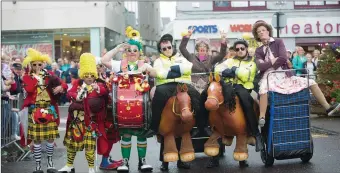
204, 29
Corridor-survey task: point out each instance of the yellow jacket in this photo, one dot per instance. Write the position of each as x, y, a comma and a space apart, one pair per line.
162, 66
244, 74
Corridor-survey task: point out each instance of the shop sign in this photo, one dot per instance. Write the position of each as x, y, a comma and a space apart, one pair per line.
309, 28
204, 29
19, 50
241, 28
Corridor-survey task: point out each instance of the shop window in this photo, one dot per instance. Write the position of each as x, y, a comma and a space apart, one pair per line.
239, 5
316, 4
221, 3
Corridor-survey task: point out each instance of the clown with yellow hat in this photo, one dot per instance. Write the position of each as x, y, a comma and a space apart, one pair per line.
42, 93
85, 123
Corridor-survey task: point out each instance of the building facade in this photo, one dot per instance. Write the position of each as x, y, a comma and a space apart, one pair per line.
64, 29
310, 24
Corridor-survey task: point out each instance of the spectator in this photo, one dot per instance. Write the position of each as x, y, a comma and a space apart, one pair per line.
289, 55
316, 56
298, 60
56, 70
231, 53
73, 64
309, 66
251, 51
17, 73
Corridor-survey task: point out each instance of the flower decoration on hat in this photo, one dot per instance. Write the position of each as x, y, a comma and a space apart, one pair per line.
87, 67
34, 55
134, 38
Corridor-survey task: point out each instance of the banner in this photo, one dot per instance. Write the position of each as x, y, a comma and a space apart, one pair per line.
19, 50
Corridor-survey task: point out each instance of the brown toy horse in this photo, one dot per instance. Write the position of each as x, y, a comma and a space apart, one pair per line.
177, 121
226, 124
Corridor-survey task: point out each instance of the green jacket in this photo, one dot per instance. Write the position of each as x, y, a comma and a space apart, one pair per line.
244, 74
162, 66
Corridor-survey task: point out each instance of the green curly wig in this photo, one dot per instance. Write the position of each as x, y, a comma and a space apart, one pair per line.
136, 43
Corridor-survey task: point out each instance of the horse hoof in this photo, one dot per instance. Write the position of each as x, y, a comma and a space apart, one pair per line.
187, 157
211, 151
240, 156
170, 157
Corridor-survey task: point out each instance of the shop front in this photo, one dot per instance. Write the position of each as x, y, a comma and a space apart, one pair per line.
311, 33
57, 43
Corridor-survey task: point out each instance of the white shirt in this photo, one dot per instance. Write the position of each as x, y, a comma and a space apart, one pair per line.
115, 66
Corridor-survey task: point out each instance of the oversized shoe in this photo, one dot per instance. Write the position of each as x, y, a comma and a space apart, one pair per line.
124, 166
91, 170
143, 167
66, 169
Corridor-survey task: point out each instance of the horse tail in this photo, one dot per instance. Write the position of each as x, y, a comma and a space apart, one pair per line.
229, 96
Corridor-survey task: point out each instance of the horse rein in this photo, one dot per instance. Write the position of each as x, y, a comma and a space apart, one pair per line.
174, 110
216, 99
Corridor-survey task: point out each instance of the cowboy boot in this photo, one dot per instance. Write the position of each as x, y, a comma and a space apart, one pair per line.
183, 165
165, 166
213, 162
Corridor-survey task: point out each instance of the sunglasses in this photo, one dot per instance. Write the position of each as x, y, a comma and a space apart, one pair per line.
238, 49
34, 65
132, 50
167, 48
89, 76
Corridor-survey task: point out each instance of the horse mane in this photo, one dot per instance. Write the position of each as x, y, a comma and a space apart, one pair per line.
229, 96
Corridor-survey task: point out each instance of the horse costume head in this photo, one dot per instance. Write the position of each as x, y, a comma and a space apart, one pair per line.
182, 104
219, 93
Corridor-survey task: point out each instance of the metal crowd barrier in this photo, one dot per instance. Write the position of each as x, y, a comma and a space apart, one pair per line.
10, 123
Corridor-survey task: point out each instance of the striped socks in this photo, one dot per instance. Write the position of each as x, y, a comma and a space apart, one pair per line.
71, 154
37, 156
141, 147
89, 154
126, 147
49, 152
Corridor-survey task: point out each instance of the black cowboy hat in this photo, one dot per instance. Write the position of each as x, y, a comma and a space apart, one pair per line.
166, 37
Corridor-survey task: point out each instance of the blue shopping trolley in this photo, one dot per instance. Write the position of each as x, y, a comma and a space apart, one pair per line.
287, 133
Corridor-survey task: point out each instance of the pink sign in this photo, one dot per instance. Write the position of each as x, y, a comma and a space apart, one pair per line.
19, 50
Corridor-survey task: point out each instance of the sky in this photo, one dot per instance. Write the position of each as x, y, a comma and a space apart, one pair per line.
168, 9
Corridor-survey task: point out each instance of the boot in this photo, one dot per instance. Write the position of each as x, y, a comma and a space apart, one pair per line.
38, 168
213, 162
124, 167
183, 165
91, 170
259, 143
333, 109
109, 164
142, 166
66, 169
50, 166
165, 166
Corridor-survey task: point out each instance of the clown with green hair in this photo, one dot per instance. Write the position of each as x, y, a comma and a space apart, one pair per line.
131, 61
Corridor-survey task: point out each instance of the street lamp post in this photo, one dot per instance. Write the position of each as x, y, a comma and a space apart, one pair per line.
279, 21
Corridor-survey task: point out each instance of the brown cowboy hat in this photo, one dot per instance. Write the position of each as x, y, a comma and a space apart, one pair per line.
261, 23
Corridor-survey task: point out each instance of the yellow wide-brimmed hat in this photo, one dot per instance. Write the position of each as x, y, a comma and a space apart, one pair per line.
34, 55
87, 65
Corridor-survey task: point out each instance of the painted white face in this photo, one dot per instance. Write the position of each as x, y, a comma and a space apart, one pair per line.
132, 53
